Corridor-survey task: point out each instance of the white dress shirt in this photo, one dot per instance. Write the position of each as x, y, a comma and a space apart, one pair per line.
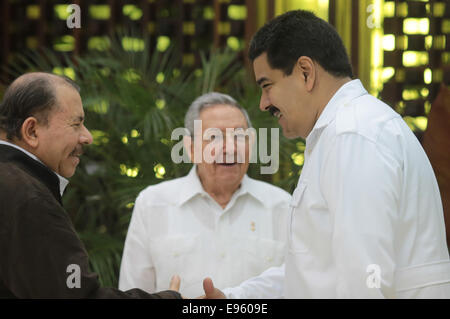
62, 181
366, 212
178, 228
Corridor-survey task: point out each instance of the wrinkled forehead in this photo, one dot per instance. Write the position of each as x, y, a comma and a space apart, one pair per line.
222, 116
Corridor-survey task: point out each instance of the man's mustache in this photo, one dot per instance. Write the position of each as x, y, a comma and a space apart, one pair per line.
272, 109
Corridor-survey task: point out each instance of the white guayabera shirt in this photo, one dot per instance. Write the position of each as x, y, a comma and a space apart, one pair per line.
177, 228
366, 216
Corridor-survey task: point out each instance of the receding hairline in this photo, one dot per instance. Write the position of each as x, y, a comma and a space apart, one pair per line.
52, 79
218, 105
223, 105
33, 94
51, 82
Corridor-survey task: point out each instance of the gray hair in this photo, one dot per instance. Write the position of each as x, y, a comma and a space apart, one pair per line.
31, 94
210, 100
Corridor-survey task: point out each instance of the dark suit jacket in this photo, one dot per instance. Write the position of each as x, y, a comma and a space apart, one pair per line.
37, 238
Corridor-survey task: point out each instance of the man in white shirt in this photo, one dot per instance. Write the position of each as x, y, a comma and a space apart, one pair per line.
366, 216
216, 221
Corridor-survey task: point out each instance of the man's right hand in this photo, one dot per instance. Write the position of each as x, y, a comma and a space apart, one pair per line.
210, 291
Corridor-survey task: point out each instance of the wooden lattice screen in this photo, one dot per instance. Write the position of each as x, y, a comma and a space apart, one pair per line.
193, 25
416, 53
416, 56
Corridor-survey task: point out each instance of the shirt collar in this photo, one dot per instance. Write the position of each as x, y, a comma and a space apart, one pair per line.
193, 187
63, 182
248, 186
346, 93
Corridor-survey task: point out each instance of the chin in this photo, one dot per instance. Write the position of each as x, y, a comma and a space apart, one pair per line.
229, 173
230, 180
289, 135
68, 173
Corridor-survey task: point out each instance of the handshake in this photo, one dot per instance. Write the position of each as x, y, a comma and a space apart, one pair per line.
211, 292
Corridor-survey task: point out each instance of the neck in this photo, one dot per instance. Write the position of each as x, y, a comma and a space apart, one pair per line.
220, 193
327, 88
17, 142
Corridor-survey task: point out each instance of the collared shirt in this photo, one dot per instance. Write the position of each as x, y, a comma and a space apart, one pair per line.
178, 228
41, 255
366, 216
62, 181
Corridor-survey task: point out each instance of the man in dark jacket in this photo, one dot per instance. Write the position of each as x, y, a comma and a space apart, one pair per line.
42, 133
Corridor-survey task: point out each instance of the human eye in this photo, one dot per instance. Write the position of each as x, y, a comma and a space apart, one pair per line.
240, 135
266, 85
216, 137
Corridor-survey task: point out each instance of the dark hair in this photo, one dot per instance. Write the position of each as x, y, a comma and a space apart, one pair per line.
300, 33
33, 96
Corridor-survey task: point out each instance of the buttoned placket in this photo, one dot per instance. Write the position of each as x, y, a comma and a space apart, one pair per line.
222, 221
311, 141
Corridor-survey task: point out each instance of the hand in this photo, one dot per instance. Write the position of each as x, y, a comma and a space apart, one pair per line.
210, 291
175, 282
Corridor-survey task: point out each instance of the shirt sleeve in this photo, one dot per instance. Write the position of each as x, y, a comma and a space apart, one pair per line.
268, 285
137, 270
44, 258
361, 181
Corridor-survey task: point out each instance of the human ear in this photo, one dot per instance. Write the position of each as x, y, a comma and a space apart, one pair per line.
29, 132
308, 69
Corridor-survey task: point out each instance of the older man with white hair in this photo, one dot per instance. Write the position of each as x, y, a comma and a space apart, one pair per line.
214, 222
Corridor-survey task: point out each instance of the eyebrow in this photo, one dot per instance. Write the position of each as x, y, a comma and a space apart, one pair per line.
261, 80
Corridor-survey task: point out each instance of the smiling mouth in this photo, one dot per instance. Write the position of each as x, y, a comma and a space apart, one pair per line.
76, 153
226, 164
274, 111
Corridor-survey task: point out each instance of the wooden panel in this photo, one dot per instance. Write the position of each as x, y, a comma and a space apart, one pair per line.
419, 55
193, 25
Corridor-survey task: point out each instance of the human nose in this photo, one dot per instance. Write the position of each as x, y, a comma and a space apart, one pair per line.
86, 136
228, 146
264, 102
